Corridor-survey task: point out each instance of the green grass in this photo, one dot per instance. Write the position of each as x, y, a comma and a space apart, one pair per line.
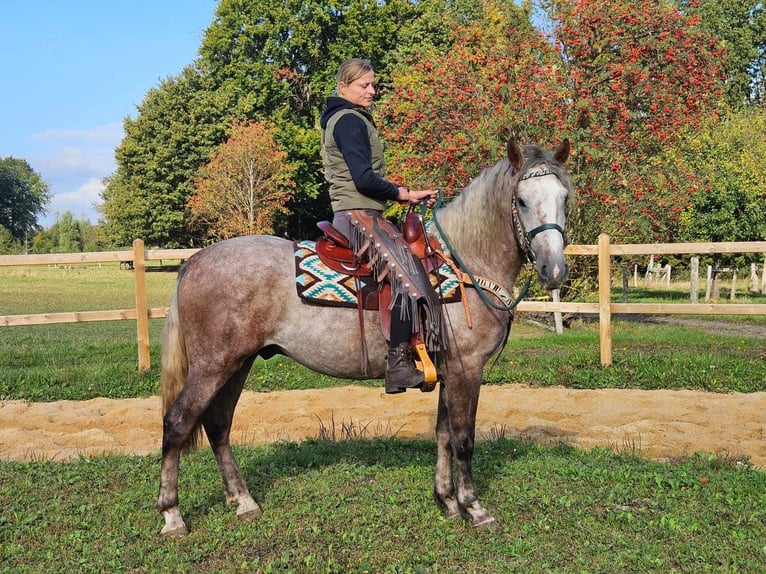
365, 506
645, 356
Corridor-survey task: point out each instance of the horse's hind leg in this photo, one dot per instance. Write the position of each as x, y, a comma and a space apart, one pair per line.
178, 426
217, 420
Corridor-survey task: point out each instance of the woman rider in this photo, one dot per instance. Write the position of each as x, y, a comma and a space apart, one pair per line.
354, 168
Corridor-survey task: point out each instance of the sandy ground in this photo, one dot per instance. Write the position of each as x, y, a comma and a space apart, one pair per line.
658, 425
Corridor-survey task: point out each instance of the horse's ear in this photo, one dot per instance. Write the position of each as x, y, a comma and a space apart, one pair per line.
562, 152
514, 154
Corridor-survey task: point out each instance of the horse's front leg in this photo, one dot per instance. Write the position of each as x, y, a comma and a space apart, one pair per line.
462, 398
444, 488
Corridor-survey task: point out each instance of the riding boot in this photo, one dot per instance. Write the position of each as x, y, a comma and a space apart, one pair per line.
401, 373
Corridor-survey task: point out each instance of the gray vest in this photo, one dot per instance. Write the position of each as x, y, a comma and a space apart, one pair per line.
343, 192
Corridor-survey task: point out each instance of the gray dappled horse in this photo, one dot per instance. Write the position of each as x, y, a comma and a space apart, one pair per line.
236, 300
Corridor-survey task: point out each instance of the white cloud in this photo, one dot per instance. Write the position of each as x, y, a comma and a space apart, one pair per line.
78, 160
80, 202
74, 163
108, 133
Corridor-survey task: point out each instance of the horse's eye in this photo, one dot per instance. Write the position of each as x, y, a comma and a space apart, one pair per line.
522, 203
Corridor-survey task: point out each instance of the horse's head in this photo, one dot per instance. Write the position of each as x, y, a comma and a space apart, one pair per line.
542, 189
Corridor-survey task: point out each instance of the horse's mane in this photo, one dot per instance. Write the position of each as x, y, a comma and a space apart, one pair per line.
481, 210
481, 206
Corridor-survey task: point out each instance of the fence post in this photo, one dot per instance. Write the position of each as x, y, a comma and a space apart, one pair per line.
694, 279
605, 299
142, 305
753, 288
558, 320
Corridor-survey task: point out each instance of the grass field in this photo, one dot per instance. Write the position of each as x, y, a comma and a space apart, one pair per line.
364, 505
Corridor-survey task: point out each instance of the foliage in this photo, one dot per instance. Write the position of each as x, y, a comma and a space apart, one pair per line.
622, 80
178, 124
640, 73
8, 244
740, 25
245, 184
449, 114
259, 60
23, 196
728, 157
70, 235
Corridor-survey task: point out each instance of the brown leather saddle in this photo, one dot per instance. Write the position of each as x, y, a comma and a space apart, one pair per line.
334, 249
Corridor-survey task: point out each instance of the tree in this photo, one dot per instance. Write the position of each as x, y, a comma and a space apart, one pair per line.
729, 158
23, 196
245, 185
740, 26
449, 113
178, 124
641, 74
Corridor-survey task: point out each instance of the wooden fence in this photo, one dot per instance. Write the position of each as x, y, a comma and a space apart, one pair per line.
604, 252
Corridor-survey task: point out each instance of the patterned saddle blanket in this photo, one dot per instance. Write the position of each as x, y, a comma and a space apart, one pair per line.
317, 284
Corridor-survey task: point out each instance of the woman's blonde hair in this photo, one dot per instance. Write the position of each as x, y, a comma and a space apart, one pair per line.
353, 69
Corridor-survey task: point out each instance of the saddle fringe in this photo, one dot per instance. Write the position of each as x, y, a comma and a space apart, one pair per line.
380, 243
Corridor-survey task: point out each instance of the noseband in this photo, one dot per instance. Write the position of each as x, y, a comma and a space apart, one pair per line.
525, 237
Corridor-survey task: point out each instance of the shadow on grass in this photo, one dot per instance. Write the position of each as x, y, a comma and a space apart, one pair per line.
264, 466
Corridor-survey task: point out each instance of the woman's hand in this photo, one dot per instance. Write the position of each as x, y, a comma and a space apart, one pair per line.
417, 196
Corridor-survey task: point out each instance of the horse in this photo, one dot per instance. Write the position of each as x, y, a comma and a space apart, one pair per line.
236, 300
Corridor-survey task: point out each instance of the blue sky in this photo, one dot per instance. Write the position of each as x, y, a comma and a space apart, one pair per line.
71, 71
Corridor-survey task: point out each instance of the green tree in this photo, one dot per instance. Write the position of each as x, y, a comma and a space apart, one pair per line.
178, 124
23, 197
8, 245
68, 234
740, 25
728, 157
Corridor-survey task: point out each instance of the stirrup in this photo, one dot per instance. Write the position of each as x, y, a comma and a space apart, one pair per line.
424, 363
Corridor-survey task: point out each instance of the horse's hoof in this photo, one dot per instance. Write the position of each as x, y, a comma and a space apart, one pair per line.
174, 527
178, 532
248, 509
487, 524
250, 515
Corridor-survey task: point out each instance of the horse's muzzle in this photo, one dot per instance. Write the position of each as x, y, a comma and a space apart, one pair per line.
552, 271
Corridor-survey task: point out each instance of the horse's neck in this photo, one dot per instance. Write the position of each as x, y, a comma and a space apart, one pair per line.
484, 242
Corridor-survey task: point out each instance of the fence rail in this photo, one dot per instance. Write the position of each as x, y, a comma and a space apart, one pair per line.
604, 251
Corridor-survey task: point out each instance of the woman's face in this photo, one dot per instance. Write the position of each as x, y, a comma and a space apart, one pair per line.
360, 91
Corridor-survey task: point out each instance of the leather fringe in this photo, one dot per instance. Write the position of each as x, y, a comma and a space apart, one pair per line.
378, 241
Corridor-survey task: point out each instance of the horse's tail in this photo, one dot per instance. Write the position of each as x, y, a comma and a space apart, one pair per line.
175, 363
